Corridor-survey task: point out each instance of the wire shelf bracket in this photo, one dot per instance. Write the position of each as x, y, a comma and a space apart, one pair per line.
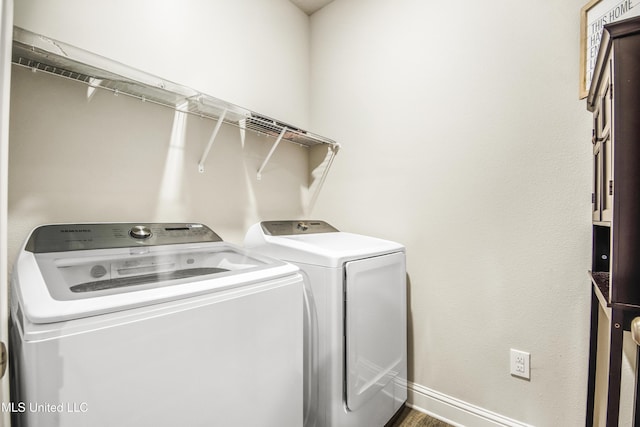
210, 144
273, 149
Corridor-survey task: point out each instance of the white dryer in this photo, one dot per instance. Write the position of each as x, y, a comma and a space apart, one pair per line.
153, 325
359, 289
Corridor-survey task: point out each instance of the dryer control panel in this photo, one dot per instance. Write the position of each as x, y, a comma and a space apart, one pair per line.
288, 228
73, 237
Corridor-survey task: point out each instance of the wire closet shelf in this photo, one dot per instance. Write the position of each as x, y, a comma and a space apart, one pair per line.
41, 54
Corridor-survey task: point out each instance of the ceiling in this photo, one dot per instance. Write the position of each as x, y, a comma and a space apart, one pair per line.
310, 6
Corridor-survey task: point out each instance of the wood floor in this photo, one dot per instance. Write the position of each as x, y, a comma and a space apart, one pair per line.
412, 418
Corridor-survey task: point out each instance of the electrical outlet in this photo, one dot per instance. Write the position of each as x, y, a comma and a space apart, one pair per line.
520, 364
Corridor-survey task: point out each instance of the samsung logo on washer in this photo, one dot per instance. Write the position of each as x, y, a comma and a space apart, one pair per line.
76, 230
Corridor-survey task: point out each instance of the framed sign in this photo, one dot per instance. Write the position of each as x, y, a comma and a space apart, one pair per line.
593, 17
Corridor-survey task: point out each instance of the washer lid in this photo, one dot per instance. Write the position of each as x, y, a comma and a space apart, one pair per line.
64, 285
324, 247
90, 274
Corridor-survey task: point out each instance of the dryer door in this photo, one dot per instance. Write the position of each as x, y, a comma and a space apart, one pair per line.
375, 325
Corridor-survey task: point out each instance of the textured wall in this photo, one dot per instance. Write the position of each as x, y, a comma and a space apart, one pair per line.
463, 138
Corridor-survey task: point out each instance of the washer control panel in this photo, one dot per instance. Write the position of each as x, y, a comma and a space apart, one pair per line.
72, 237
288, 228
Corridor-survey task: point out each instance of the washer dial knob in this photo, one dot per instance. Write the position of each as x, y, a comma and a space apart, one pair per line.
140, 232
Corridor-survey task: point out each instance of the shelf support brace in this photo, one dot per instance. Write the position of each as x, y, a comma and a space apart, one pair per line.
273, 148
334, 150
213, 137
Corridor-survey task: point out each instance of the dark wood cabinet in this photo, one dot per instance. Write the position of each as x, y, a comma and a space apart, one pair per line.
614, 100
602, 196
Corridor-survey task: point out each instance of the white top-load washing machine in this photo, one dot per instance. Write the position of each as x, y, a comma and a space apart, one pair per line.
359, 289
153, 325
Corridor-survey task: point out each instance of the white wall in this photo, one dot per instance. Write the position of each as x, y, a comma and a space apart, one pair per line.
463, 138
253, 53
113, 158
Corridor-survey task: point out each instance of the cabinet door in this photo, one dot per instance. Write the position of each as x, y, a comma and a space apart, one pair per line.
603, 151
606, 207
606, 150
597, 182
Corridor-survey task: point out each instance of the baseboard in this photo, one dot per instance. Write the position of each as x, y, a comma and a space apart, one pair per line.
454, 411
